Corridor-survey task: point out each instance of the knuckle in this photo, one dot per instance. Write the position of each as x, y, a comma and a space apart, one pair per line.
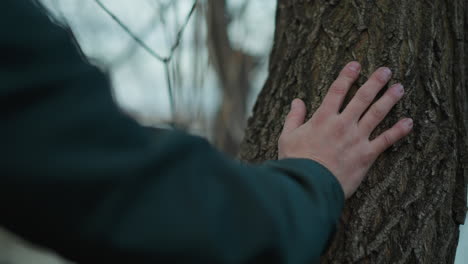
318, 118
292, 115
339, 128
356, 140
364, 97
337, 88
349, 74
378, 112
387, 140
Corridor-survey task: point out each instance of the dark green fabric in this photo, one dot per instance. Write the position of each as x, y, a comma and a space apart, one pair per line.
80, 177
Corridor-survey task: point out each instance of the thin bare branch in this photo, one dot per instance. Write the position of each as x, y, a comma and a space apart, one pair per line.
166, 60
141, 42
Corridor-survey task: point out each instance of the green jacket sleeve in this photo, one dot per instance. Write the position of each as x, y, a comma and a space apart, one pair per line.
80, 177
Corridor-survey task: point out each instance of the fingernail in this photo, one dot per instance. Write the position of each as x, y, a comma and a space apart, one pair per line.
408, 123
295, 103
399, 89
387, 73
354, 66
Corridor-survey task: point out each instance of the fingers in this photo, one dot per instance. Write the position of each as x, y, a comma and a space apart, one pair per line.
380, 109
366, 94
338, 90
391, 136
295, 117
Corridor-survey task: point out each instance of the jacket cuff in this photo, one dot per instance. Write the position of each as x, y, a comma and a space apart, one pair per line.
312, 173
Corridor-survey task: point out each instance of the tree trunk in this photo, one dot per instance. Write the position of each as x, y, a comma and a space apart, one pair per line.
409, 208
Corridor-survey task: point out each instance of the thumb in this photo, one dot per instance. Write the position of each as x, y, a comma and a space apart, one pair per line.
295, 117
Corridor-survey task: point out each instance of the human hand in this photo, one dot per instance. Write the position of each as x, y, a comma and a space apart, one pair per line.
340, 141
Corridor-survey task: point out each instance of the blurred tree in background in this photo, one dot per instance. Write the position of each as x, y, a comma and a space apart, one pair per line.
206, 61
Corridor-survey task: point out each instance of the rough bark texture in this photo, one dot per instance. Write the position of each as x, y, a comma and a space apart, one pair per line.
409, 208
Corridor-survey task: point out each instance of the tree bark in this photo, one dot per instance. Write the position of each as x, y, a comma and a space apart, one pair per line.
409, 208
